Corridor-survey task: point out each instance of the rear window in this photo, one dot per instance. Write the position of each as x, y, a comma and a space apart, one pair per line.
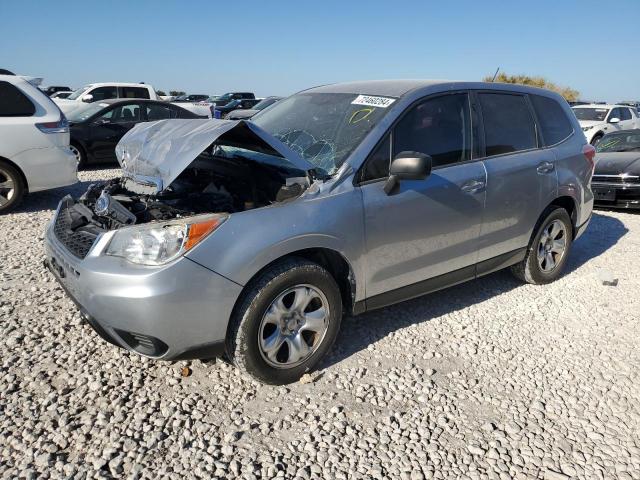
508, 125
554, 124
14, 103
134, 92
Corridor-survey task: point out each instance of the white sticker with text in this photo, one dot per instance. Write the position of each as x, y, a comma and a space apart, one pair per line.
369, 101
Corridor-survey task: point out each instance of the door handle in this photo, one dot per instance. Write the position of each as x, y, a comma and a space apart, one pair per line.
473, 186
545, 167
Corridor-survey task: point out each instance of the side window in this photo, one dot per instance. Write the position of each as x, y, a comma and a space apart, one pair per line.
14, 103
126, 114
625, 114
103, 93
508, 125
159, 112
554, 124
377, 165
134, 92
615, 113
439, 127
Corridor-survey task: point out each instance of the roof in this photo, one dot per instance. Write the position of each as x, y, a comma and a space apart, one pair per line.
119, 84
601, 105
389, 88
400, 88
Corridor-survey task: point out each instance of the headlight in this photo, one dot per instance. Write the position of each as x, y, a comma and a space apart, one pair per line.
584, 129
159, 243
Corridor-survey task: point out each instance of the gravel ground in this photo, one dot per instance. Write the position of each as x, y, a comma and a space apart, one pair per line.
490, 379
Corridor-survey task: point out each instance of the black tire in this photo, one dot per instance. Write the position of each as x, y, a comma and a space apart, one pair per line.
244, 333
529, 270
82, 160
596, 139
10, 198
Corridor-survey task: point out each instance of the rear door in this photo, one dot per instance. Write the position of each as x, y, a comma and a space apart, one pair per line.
429, 227
521, 177
626, 119
133, 92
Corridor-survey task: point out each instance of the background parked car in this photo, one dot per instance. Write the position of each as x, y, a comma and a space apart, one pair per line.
250, 112
597, 120
97, 128
239, 104
51, 90
191, 98
61, 94
616, 180
34, 143
222, 100
96, 92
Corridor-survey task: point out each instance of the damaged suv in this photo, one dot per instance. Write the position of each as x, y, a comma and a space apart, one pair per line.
250, 240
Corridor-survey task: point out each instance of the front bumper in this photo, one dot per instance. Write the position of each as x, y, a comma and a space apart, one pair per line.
616, 195
178, 311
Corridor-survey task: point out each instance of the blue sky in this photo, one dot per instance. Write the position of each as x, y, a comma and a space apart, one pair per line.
279, 47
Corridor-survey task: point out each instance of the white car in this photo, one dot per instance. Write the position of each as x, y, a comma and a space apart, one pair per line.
203, 109
61, 94
95, 92
597, 120
34, 143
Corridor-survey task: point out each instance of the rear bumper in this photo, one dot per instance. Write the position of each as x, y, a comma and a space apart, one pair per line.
46, 168
176, 312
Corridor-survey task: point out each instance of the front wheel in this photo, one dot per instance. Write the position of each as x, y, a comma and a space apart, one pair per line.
596, 140
548, 251
286, 322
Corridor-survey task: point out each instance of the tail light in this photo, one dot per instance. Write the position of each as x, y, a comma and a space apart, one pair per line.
61, 126
589, 153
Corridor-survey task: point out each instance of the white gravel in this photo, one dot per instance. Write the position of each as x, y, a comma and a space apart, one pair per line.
490, 379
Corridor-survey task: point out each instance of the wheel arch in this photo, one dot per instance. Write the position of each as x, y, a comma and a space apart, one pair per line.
332, 260
19, 170
569, 204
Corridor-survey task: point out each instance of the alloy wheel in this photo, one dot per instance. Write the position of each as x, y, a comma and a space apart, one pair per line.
7, 187
552, 246
76, 152
294, 326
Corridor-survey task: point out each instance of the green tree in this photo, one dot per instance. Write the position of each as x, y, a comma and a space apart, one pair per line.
569, 94
175, 93
161, 93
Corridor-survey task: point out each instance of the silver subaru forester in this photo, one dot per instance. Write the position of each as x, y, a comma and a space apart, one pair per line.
252, 239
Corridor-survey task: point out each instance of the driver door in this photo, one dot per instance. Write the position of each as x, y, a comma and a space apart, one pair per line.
108, 129
426, 228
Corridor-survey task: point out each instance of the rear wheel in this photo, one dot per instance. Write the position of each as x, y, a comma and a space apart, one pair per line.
12, 188
78, 152
548, 250
286, 322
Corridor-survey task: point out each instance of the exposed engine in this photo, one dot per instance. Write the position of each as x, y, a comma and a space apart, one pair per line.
225, 185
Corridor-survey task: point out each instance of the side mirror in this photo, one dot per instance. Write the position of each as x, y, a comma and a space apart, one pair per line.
408, 166
614, 120
87, 98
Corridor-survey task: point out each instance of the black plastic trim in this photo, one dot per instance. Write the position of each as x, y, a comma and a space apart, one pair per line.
440, 282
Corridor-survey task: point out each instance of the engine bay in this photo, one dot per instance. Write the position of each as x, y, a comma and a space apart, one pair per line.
215, 182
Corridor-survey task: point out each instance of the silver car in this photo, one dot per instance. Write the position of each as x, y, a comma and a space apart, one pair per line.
251, 240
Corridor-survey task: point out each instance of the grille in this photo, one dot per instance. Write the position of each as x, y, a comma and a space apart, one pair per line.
78, 242
616, 179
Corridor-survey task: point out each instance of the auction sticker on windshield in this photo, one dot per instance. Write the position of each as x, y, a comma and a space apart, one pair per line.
369, 101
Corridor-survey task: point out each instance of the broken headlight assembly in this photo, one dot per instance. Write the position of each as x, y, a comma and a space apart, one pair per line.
160, 243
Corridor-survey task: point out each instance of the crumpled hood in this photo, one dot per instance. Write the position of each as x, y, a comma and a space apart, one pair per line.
615, 163
158, 152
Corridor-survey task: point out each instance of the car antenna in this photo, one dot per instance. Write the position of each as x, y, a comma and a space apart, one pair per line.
495, 75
